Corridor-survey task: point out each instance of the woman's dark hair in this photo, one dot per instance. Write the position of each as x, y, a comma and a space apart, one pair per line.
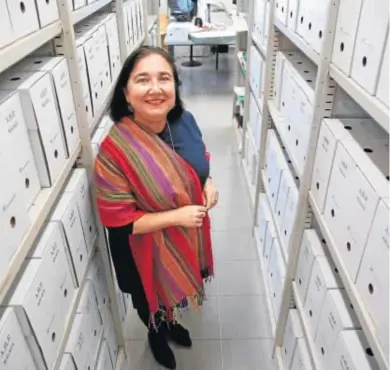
119, 107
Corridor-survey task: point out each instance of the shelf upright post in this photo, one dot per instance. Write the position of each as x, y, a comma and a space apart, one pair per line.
122, 28
247, 69
323, 102
270, 57
145, 23
158, 31
87, 155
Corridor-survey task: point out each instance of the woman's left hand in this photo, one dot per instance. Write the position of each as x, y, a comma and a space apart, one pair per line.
210, 194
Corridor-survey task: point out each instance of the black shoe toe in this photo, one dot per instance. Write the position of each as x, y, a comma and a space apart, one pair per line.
161, 351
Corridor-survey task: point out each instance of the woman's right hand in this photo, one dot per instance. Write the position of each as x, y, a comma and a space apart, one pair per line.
191, 216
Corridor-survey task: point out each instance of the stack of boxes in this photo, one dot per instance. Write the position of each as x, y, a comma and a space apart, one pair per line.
360, 48
333, 328
99, 59
350, 190
281, 189
256, 76
134, 22
261, 22
349, 185
270, 251
295, 78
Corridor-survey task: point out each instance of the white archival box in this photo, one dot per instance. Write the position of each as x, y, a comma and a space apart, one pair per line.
88, 307
281, 11
46, 279
311, 248
318, 23
293, 6
82, 66
345, 36
67, 216
92, 66
331, 132
37, 97
84, 83
276, 275
357, 184
15, 144
289, 216
47, 12
323, 277
370, 43
58, 69
97, 277
286, 182
292, 332
14, 219
78, 184
24, 20
301, 359
15, 352
81, 345
352, 352
113, 46
6, 32
337, 314
373, 276
259, 20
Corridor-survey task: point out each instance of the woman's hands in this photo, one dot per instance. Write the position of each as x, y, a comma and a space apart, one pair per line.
191, 216
210, 194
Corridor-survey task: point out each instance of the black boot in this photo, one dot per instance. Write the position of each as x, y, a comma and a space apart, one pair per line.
179, 335
160, 348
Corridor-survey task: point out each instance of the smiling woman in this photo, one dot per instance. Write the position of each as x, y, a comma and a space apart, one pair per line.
153, 196
155, 77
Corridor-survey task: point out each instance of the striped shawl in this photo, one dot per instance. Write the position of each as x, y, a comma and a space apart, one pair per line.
137, 173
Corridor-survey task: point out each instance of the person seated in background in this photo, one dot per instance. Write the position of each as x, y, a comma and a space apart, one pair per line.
153, 196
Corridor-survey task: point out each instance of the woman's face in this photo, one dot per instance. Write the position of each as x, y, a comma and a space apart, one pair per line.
151, 89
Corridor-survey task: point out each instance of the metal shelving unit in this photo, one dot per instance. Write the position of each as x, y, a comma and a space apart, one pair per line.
374, 107
88, 10
21, 48
282, 38
82, 155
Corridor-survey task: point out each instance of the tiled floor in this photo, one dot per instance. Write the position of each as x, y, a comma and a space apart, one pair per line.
232, 330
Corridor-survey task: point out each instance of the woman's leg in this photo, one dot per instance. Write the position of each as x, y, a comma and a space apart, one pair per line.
157, 336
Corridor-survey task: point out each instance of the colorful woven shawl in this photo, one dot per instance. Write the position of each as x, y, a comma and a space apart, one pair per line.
136, 173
